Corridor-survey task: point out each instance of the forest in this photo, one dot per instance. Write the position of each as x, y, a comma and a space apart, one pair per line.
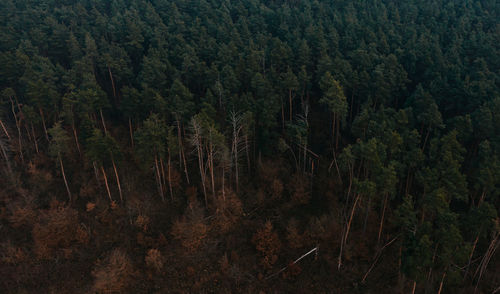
249, 146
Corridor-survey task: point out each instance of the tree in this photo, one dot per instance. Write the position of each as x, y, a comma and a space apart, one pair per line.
151, 141
335, 100
58, 147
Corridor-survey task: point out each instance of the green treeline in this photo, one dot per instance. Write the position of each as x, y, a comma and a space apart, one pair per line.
204, 146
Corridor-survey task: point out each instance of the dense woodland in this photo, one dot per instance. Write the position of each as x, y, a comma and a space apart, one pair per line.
245, 146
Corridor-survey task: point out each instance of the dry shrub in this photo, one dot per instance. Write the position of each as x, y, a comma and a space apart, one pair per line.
293, 236
154, 259
299, 189
268, 244
142, 222
56, 228
276, 189
11, 254
191, 230
228, 211
270, 173
114, 274
22, 215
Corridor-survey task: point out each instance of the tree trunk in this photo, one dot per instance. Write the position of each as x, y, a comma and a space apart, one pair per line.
211, 167
34, 138
382, 218
158, 179
182, 158
18, 126
106, 183
76, 139
131, 132
442, 282
282, 115
43, 123
337, 132
471, 254
4, 129
169, 177
117, 179
103, 122
290, 101
414, 287
64, 177
112, 82
247, 151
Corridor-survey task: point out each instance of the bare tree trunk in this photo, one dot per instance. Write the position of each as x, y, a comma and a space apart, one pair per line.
103, 122
117, 179
247, 151
290, 101
112, 82
106, 183
163, 176
4, 153
96, 173
43, 123
211, 167
346, 235
382, 218
169, 176
76, 139
34, 138
351, 217
442, 282
18, 126
64, 177
337, 132
4, 129
282, 115
131, 132
182, 157
414, 287
158, 179
471, 254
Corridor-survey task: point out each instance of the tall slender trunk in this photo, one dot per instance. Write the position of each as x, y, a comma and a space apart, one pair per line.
290, 101
117, 179
4, 153
96, 173
4, 129
103, 122
211, 167
472, 253
112, 82
158, 179
382, 218
34, 138
131, 132
18, 126
106, 182
202, 171
282, 115
236, 165
43, 123
64, 177
170, 176
247, 151
76, 139
337, 132
182, 158
345, 236
442, 282
163, 175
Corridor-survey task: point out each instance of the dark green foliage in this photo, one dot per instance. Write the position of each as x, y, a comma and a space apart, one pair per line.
380, 118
